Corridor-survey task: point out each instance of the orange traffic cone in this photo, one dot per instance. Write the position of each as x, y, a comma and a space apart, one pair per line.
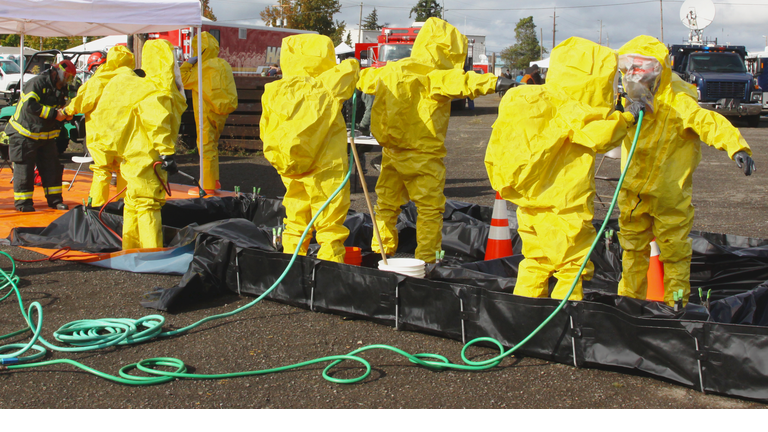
499, 242
655, 275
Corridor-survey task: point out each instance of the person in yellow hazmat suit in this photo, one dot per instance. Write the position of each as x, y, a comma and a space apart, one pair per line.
305, 139
655, 199
146, 114
409, 119
104, 154
541, 156
219, 99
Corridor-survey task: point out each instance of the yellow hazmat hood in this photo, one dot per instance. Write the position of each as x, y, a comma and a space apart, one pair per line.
118, 56
441, 45
210, 46
306, 55
158, 62
584, 70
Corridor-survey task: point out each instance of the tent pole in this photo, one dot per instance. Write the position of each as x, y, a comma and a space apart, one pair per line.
21, 63
200, 100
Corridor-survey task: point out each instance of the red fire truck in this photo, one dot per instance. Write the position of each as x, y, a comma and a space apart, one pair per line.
397, 43
392, 44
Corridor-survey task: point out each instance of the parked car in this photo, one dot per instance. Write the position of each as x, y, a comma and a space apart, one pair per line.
10, 75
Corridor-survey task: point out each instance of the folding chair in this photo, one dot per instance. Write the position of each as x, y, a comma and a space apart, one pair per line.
613, 154
82, 160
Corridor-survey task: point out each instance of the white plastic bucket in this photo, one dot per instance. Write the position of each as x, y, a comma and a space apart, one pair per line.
406, 266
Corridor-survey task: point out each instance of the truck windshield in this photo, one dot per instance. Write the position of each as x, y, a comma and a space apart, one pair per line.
392, 52
719, 62
9, 67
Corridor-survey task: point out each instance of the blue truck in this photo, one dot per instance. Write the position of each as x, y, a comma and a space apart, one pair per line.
721, 79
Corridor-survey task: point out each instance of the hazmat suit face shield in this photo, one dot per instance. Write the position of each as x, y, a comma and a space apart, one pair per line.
65, 74
642, 75
177, 77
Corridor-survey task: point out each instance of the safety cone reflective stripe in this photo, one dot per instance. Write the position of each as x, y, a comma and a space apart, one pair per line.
499, 241
655, 275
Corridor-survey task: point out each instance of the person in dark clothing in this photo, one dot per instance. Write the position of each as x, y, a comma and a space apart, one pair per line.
532, 76
507, 75
32, 133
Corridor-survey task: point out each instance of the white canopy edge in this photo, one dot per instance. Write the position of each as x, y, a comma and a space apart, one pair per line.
541, 63
51, 18
343, 48
103, 44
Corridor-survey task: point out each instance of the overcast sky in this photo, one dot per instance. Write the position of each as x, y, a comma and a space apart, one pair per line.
739, 22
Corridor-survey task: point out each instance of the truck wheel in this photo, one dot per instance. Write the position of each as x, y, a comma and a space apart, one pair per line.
753, 121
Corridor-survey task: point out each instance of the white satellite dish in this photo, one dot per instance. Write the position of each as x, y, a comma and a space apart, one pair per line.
697, 14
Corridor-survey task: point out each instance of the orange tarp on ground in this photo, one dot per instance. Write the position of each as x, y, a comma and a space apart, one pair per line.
43, 216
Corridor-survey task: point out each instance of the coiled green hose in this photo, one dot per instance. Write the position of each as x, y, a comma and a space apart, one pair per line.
87, 335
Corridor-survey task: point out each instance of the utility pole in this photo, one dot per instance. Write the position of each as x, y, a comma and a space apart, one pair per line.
541, 43
554, 26
661, 19
360, 25
600, 41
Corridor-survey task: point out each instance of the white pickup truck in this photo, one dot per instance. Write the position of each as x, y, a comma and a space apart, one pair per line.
9, 76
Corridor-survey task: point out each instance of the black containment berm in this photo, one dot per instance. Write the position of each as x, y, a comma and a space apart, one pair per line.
721, 349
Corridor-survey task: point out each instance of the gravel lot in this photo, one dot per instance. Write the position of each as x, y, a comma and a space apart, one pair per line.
271, 334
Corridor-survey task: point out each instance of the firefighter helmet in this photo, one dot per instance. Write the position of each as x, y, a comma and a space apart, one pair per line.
95, 60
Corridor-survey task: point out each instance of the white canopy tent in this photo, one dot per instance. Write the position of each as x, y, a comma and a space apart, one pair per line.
343, 48
543, 64
103, 44
52, 18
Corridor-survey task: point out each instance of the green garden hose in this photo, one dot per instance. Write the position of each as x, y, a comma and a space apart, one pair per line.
86, 335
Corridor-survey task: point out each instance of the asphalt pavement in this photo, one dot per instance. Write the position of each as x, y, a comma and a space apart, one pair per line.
271, 334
